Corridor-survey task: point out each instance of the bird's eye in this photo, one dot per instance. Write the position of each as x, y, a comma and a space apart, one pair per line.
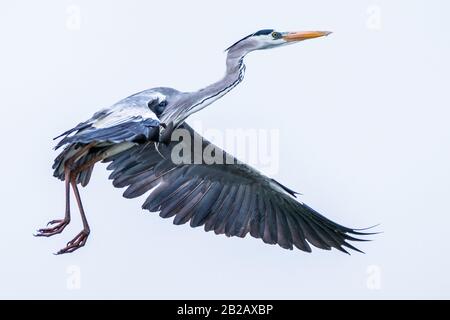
162, 103
276, 35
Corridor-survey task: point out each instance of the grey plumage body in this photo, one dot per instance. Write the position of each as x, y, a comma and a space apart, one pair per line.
233, 199
110, 130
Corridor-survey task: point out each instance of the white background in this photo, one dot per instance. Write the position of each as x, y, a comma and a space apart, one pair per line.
364, 135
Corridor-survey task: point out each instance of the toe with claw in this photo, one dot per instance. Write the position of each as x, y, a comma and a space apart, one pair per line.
58, 228
76, 243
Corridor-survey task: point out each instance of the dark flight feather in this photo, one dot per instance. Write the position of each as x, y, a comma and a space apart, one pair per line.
228, 199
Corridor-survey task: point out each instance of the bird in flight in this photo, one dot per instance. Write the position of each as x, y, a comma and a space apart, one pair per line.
136, 137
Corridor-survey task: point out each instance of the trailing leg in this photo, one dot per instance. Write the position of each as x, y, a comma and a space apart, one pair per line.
81, 238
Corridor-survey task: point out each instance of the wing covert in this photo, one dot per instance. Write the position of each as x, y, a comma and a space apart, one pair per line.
129, 120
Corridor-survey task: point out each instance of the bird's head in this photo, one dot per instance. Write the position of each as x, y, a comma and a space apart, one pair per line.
269, 38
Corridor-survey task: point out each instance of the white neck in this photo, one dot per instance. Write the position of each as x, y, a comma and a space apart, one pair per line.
196, 101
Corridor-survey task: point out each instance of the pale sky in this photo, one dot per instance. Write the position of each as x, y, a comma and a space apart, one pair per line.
363, 124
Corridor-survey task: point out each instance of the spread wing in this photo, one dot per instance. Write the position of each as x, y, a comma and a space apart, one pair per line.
128, 120
231, 199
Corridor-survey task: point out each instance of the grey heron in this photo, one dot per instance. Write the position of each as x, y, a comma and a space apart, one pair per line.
134, 135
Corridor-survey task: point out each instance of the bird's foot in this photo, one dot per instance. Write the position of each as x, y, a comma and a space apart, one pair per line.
76, 243
58, 228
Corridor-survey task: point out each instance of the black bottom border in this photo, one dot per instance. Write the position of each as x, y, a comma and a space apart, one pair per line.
225, 309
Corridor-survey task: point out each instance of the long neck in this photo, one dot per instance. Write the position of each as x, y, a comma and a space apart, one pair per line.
204, 97
233, 76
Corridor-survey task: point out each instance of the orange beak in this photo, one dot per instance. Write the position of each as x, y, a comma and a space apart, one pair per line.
304, 35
